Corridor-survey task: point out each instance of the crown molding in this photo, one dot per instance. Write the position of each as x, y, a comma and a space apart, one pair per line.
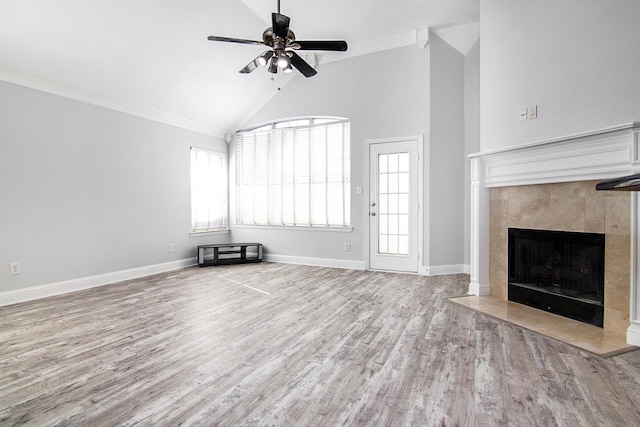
37, 83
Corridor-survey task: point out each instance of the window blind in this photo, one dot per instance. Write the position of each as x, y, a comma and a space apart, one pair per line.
208, 190
294, 176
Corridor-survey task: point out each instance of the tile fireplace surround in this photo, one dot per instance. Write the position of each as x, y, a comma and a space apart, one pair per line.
550, 185
572, 206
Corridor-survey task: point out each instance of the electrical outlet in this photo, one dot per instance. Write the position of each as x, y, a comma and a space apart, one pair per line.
347, 247
14, 268
170, 247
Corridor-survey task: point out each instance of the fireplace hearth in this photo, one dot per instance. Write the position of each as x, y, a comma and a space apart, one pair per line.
559, 272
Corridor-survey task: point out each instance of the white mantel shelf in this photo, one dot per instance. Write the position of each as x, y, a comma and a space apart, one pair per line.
596, 155
624, 126
601, 154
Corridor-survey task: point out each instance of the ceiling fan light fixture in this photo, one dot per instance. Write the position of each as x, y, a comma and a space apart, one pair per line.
283, 61
263, 59
273, 65
288, 69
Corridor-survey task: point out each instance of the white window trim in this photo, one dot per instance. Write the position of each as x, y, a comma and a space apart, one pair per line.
207, 233
324, 229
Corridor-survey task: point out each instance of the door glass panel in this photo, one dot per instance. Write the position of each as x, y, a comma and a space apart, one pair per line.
393, 182
403, 244
403, 224
393, 204
382, 183
382, 244
383, 221
393, 244
403, 203
393, 224
403, 162
382, 163
403, 182
383, 205
393, 163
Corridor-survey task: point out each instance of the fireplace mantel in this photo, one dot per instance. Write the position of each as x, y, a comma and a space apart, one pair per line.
596, 155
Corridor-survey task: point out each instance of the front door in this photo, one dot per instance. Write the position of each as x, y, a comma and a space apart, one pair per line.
393, 206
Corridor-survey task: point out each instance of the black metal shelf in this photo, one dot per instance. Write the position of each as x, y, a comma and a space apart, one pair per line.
229, 253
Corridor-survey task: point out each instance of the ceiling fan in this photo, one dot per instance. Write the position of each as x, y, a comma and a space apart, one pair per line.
283, 44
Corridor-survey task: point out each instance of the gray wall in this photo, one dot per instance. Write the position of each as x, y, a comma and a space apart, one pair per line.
578, 60
384, 95
447, 162
86, 190
471, 128
388, 94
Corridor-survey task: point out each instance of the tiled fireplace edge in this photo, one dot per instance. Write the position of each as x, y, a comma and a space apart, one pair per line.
601, 154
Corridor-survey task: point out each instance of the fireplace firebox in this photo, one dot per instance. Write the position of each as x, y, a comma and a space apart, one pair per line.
559, 272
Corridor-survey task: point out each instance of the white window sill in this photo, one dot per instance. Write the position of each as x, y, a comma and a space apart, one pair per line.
297, 228
207, 233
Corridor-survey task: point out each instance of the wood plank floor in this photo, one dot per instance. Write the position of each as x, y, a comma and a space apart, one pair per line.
281, 345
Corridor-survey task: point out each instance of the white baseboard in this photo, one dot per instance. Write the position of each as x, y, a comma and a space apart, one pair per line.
57, 288
318, 262
442, 270
480, 289
633, 334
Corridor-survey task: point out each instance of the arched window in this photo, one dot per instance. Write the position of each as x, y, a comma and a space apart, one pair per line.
294, 173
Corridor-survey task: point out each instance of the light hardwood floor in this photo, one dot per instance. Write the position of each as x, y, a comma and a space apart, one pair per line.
275, 344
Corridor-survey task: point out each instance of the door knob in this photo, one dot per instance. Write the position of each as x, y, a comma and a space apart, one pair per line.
373, 214
373, 203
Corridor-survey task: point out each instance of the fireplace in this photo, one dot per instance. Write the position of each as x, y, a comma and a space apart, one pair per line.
551, 185
558, 271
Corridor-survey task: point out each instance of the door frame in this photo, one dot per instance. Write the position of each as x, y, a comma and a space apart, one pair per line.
423, 212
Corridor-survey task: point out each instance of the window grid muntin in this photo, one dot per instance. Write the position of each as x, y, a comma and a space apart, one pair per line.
393, 203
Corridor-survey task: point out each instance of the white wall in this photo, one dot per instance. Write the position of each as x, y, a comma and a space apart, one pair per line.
578, 60
384, 95
87, 191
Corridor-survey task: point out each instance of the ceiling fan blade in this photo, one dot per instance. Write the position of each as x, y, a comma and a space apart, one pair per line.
261, 60
249, 67
302, 66
337, 45
280, 25
233, 40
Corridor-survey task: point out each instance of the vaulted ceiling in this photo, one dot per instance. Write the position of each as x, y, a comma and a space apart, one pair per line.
152, 57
